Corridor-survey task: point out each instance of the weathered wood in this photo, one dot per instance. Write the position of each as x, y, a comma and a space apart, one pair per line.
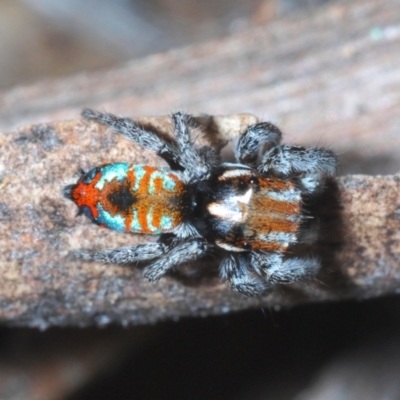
339, 88
42, 284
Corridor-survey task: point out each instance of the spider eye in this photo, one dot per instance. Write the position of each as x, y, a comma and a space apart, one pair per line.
242, 185
246, 246
253, 181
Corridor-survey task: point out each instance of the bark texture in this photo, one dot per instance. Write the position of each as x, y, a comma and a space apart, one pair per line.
42, 284
330, 79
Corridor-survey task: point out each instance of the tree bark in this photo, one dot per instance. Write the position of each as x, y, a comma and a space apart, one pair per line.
330, 79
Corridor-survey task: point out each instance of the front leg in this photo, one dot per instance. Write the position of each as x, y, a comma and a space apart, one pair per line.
197, 163
252, 141
132, 131
312, 165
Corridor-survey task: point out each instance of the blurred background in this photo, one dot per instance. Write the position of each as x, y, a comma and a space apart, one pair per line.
50, 38
348, 350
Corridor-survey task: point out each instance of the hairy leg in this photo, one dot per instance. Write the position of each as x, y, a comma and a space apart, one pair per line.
253, 139
126, 255
236, 270
132, 131
183, 252
311, 164
196, 162
279, 270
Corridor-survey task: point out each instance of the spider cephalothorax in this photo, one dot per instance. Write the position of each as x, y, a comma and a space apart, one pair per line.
249, 211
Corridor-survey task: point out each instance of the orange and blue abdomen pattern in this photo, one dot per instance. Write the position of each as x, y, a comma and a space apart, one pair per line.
131, 198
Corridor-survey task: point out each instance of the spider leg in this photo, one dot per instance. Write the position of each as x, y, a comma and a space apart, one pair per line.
132, 131
189, 250
253, 139
211, 156
235, 269
279, 270
311, 164
196, 162
126, 255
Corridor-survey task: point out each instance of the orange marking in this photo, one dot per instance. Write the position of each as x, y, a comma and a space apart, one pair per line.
271, 184
87, 195
267, 215
261, 245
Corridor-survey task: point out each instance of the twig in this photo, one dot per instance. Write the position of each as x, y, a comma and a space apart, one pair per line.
43, 285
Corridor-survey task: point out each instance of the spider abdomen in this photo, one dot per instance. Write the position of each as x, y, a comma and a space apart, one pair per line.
130, 198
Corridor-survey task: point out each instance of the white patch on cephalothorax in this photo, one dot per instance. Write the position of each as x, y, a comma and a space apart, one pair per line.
228, 247
224, 211
233, 209
234, 173
245, 198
